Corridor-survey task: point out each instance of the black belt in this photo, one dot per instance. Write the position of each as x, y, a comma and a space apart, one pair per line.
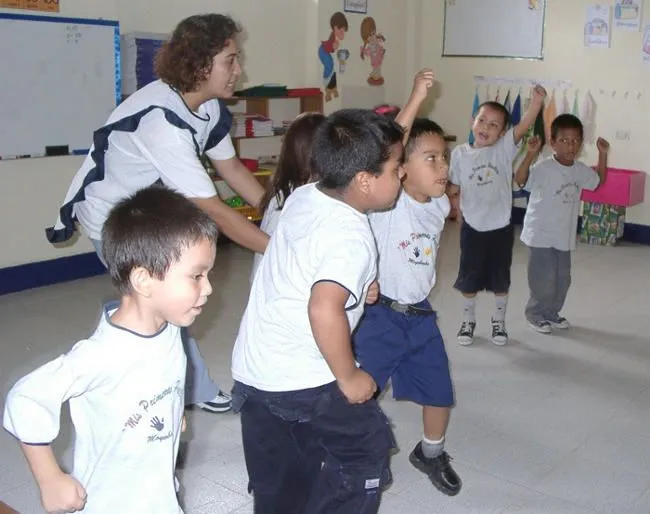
404, 308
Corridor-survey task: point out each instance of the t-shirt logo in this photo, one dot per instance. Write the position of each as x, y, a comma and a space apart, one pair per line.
418, 248
568, 193
483, 174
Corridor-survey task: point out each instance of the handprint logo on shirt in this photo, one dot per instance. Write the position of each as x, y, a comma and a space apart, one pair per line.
157, 423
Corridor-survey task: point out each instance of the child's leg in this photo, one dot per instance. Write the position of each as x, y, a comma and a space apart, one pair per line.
562, 285
471, 277
423, 377
357, 439
281, 472
501, 242
435, 421
542, 278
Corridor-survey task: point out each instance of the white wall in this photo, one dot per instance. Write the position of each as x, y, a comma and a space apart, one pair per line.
618, 68
281, 46
282, 39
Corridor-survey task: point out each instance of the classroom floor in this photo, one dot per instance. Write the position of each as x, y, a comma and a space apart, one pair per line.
548, 424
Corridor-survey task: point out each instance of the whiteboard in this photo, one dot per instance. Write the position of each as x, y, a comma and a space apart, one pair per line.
60, 82
494, 28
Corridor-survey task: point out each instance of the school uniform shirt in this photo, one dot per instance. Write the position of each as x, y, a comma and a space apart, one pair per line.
126, 396
150, 137
408, 237
485, 179
551, 219
268, 226
318, 239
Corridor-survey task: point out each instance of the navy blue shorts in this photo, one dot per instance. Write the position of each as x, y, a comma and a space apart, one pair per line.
485, 259
409, 350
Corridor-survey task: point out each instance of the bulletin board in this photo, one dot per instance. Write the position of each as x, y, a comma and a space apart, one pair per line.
494, 28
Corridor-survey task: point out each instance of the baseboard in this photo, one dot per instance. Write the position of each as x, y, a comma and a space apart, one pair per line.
65, 269
45, 273
632, 232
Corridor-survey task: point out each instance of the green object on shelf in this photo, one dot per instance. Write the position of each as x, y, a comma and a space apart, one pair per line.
235, 201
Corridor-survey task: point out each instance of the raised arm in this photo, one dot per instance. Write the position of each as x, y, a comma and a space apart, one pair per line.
534, 147
601, 168
422, 82
536, 104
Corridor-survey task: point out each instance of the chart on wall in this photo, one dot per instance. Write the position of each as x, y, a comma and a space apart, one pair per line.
32, 5
494, 28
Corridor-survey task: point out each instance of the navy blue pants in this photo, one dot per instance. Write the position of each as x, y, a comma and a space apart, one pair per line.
312, 452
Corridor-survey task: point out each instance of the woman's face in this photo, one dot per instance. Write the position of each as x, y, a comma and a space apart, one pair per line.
225, 72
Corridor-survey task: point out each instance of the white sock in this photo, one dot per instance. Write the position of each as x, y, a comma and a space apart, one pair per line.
501, 306
469, 309
431, 449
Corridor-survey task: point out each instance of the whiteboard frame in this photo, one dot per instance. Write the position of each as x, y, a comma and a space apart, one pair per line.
81, 21
540, 57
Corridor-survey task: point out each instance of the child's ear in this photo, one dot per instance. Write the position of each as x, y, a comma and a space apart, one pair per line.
141, 281
362, 182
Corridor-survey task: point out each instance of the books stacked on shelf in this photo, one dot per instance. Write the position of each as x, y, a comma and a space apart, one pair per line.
251, 125
138, 50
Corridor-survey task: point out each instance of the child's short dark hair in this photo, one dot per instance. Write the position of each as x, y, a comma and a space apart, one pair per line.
496, 106
185, 60
566, 121
421, 127
150, 230
339, 21
350, 141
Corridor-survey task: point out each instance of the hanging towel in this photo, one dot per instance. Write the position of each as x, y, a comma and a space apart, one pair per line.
515, 115
576, 110
549, 115
588, 117
498, 98
538, 128
506, 102
565, 106
477, 102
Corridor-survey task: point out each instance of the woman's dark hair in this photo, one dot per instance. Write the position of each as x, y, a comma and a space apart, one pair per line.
293, 165
185, 60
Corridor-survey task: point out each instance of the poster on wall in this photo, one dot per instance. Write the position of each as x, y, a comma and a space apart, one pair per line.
355, 6
597, 26
628, 14
645, 50
330, 47
373, 50
32, 5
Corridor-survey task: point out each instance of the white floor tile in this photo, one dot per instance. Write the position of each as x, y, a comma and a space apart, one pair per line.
545, 424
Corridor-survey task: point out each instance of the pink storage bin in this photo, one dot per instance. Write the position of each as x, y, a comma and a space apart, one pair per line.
621, 187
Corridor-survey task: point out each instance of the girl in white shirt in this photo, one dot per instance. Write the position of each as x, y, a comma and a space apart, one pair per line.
293, 171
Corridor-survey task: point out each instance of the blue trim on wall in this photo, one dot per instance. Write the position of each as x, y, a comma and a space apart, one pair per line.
45, 273
632, 232
65, 269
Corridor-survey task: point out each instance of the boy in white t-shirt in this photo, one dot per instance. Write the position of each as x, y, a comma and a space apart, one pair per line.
398, 337
125, 383
315, 440
551, 217
483, 173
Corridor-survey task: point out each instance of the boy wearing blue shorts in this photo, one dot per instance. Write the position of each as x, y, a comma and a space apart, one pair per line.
398, 337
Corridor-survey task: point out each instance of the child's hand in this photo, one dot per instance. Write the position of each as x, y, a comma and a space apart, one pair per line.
602, 145
373, 293
539, 94
359, 387
63, 493
422, 82
183, 424
534, 144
